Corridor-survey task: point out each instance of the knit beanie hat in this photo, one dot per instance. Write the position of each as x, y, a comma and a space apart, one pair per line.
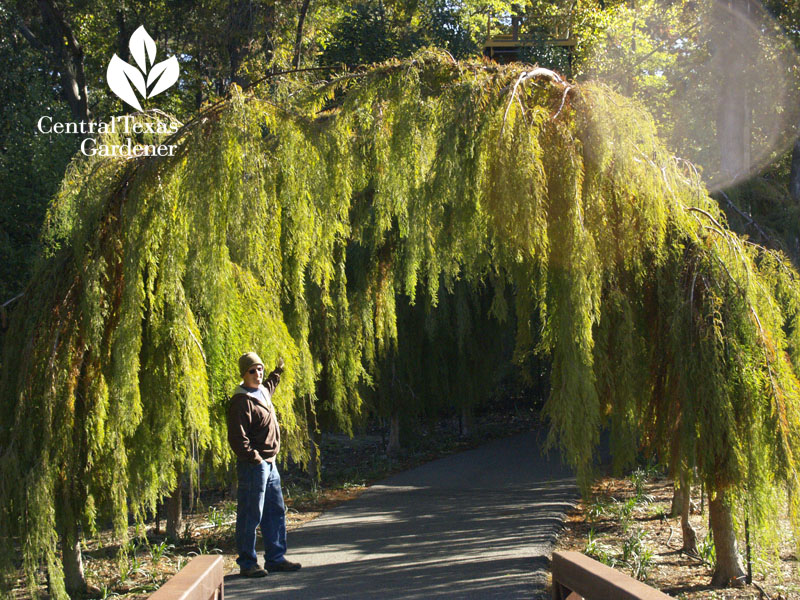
247, 360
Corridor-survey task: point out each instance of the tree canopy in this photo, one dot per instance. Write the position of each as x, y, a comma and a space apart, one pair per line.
54, 56
300, 221
655, 50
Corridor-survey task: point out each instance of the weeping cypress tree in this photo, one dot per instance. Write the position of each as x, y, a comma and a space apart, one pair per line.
463, 349
445, 357
295, 227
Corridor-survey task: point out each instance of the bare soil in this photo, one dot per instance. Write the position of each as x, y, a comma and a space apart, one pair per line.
615, 515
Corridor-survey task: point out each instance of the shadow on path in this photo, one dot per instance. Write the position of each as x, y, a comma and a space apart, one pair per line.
479, 524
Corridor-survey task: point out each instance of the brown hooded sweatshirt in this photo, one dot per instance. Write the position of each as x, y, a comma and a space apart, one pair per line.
253, 431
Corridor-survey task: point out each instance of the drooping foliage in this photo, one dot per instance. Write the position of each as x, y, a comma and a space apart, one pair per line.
446, 359
303, 229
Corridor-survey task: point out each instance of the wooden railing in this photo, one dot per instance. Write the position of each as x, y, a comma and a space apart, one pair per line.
201, 579
577, 576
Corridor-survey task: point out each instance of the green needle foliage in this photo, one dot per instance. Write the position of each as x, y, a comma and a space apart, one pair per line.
307, 228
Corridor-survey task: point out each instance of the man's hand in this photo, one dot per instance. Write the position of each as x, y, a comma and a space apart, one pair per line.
280, 364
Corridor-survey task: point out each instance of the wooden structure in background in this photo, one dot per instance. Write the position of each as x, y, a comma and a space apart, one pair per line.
529, 31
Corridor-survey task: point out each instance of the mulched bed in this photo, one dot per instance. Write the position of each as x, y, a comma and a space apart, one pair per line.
614, 517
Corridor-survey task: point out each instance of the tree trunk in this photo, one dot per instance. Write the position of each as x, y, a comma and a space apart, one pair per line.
734, 110
794, 173
174, 508
122, 36
247, 21
465, 422
688, 532
239, 34
192, 500
702, 497
67, 55
729, 569
72, 559
298, 43
314, 462
394, 435
733, 133
677, 500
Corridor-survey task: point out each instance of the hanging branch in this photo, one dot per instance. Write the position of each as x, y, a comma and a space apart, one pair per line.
777, 394
749, 220
538, 72
17, 297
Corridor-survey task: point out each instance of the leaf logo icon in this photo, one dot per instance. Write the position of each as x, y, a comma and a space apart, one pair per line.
125, 80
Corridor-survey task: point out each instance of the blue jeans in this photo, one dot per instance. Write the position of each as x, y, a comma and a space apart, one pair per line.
260, 503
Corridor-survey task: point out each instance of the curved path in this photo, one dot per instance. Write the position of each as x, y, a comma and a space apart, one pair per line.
478, 524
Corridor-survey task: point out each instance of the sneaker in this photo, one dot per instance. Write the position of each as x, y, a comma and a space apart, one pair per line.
284, 566
253, 572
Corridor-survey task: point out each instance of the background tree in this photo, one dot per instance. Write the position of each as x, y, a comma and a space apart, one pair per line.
31, 166
675, 57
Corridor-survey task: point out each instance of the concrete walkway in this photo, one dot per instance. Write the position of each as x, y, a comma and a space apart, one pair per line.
479, 524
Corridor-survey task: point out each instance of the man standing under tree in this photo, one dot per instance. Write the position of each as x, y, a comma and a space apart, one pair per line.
255, 438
